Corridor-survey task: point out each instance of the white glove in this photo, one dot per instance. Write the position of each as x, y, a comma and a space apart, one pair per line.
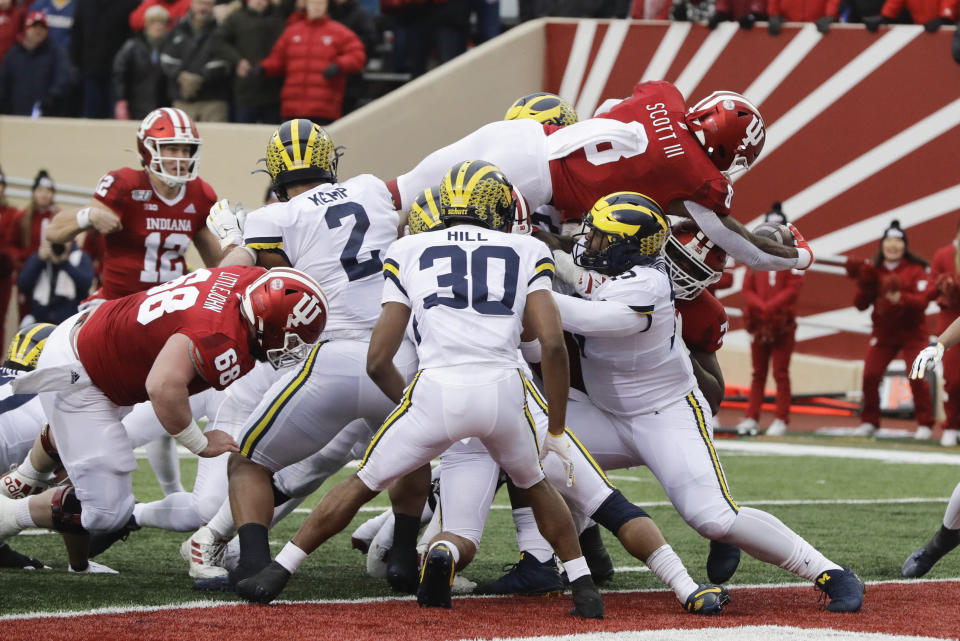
227, 222
588, 283
560, 445
928, 357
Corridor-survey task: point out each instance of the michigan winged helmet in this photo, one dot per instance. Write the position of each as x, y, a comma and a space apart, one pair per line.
477, 191
300, 151
623, 229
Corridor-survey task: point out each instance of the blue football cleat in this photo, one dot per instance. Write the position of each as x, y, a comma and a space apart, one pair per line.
844, 588
529, 577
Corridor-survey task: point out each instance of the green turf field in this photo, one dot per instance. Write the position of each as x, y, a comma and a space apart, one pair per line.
872, 538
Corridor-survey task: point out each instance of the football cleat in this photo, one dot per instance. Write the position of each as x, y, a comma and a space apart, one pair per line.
204, 552
402, 568
707, 599
17, 485
528, 577
587, 602
10, 558
722, 561
92, 568
266, 585
591, 544
101, 541
436, 578
214, 584
844, 588
917, 564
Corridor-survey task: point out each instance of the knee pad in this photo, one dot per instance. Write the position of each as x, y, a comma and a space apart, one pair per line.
713, 524
66, 509
615, 511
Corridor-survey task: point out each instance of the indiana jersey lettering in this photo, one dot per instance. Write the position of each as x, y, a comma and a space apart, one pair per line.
647, 147
156, 232
704, 322
120, 340
643, 372
467, 287
337, 233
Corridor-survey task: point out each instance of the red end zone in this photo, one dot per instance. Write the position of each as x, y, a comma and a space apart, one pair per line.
891, 608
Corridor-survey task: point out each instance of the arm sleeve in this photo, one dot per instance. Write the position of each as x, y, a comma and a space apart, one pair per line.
352, 56
600, 318
736, 245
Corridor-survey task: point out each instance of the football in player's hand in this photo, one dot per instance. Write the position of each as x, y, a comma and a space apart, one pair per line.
775, 231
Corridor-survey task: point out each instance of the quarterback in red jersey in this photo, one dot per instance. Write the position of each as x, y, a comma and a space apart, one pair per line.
148, 216
204, 329
649, 142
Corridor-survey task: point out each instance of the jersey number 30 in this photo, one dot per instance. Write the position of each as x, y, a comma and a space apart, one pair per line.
462, 275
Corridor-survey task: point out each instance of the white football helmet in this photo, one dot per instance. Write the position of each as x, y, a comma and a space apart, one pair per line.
695, 262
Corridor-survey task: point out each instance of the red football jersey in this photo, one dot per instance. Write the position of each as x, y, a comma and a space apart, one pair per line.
661, 159
119, 343
156, 233
704, 322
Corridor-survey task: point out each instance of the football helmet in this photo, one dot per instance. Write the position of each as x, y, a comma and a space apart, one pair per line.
288, 311
168, 126
730, 129
522, 219
300, 151
477, 191
633, 230
425, 211
543, 107
25, 348
694, 261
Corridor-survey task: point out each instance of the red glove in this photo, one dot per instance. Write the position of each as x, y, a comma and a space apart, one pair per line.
804, 254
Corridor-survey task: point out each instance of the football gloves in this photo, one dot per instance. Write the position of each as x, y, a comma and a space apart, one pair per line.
560, 445
227, 222
928, 357
804, 253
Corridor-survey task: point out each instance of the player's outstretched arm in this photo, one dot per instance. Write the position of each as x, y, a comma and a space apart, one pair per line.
384, 343
167, 386
541, 318
599, 317
753, 251
67, 224
208, 246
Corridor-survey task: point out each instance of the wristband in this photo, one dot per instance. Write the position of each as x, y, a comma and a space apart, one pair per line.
804, 258
83, 218
192, 438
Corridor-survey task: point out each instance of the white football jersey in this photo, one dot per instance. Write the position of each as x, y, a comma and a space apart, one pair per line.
467, 288
646, 371
338, 233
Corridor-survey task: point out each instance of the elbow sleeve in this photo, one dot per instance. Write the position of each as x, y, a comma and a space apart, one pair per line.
741, 249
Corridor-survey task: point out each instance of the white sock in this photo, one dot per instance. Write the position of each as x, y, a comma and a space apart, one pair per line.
764, 537
454, 550
27, 469
163, 459
668, 567
576, 568
369, 528
529, 539
24, 520
951, 518
222, 524
291, 557
177, 512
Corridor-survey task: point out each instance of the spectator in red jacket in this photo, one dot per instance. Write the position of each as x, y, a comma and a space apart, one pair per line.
11, 24
895, 283
945, 275
781, 11
176, 8
32, 223
771, 320
932, 14
314, 56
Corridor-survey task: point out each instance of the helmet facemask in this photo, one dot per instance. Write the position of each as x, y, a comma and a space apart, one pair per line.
689, 274
155, 146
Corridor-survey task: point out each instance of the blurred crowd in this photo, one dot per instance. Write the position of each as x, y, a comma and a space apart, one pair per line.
268, 60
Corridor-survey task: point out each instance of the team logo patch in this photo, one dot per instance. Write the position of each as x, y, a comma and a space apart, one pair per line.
728, 105
141, 195
190, 209
276, 283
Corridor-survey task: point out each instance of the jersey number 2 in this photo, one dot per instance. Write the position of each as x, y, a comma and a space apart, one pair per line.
356, 269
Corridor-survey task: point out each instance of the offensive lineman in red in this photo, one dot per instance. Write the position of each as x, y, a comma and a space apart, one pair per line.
205, 329
147, 217
648, 142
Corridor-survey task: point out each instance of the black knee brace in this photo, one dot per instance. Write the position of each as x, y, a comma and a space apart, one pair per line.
616, 511
279, 497
66, 509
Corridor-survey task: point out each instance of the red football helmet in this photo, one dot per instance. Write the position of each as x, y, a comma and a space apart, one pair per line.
288, 310
168, 126
522, 224
730, 129
694, 261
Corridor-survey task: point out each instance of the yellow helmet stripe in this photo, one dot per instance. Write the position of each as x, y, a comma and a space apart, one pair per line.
314, 132
284, 156
295, 142
25, 340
